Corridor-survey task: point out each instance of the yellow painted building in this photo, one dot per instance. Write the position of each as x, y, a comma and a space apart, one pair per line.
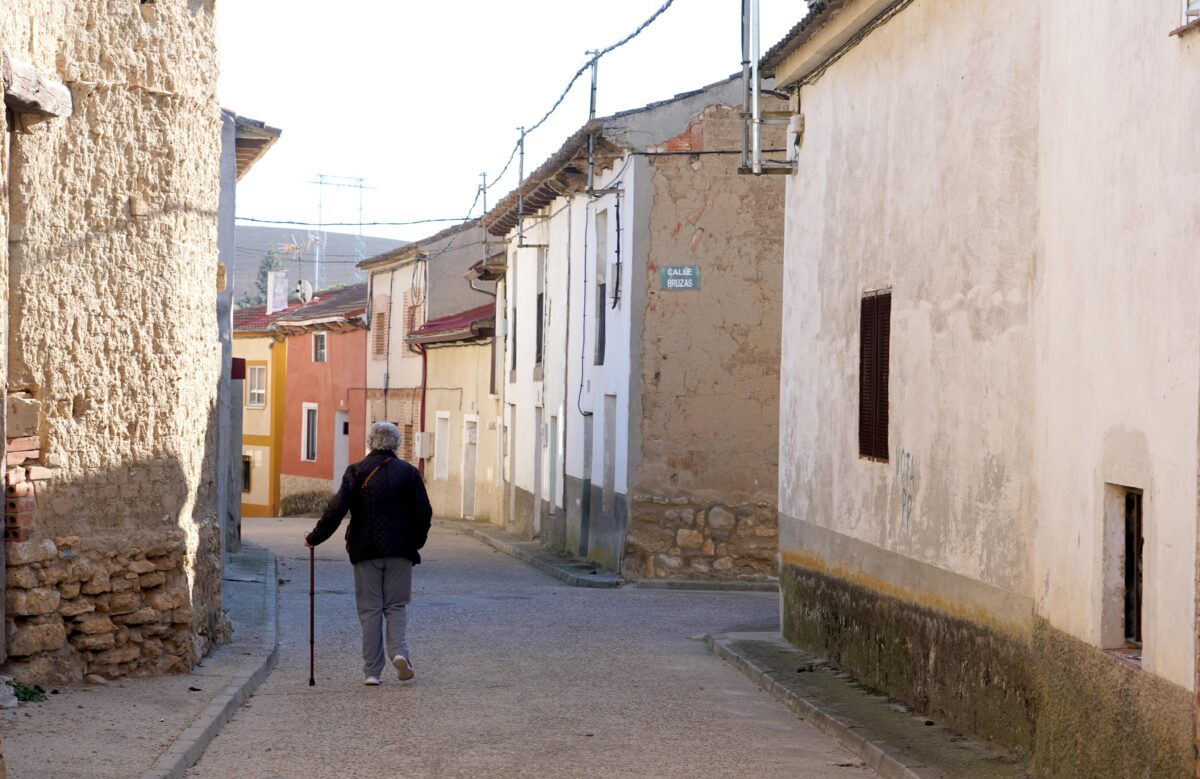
265, 356
462, 408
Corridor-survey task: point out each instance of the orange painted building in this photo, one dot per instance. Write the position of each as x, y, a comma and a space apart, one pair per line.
324, 408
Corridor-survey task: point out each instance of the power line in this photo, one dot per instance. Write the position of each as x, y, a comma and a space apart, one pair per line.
571, 84
348, 224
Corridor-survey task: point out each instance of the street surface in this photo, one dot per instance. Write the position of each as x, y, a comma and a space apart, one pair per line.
518, 674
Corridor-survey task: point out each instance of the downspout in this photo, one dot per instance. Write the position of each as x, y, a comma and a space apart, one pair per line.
746, 99
756, 92
424, 377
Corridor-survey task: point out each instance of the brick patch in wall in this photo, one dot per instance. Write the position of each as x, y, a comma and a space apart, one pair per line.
21, 487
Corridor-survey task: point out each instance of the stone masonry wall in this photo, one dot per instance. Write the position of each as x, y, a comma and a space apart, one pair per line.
111, 330
676, 538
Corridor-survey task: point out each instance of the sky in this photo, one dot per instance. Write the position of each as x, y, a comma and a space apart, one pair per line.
419, 98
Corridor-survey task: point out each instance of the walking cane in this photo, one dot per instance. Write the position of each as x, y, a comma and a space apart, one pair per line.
312, 598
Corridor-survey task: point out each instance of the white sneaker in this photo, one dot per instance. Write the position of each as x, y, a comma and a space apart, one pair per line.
403, 668
371, 681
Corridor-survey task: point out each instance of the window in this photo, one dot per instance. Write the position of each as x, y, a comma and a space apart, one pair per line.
512, 343
256, 386
318, 347
308, 433
539, 341
412, 322
441, 447
1134, 541
1123, 574
1191, 12
874, 347
247, 469
408, 452
601, 284
380, 320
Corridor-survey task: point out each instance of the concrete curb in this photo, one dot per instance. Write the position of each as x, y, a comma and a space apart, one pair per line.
823, 720
703, 584
608, 581
191, 744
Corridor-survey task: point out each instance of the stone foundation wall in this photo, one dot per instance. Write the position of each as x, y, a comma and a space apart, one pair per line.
1070, 709
294, 485
97, 606
682, 537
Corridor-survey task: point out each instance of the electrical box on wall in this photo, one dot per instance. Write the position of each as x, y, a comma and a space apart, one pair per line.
423, 445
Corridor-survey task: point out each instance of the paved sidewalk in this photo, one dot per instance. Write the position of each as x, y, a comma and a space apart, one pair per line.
573, 571
152, 728
895, 742
585, 573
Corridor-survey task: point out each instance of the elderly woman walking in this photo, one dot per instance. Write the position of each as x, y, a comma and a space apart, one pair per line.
389, 522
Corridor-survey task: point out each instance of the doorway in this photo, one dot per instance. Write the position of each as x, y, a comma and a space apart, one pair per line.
470, 440
537, 471
341, 446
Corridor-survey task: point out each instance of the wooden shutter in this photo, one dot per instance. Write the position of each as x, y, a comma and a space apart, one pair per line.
412, 313
874, 353
380, 320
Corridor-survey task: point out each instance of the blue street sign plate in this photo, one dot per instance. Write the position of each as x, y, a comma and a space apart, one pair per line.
679, 277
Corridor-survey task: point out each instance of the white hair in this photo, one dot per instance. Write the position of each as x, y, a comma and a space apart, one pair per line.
384, 435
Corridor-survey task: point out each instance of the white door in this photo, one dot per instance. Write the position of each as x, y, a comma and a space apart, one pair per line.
470, 439
341, 446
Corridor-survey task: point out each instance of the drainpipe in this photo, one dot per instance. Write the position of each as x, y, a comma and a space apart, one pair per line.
746, 98
424, 377
756, 92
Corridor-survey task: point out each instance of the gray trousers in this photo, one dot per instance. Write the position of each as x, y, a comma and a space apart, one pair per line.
382, 589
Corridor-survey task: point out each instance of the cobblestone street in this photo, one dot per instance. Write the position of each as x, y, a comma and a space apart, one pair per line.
517, 675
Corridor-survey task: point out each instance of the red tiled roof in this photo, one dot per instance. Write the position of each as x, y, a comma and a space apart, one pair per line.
255, 319
465, 325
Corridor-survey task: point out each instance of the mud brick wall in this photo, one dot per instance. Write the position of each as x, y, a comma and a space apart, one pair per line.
110, 262
708, 422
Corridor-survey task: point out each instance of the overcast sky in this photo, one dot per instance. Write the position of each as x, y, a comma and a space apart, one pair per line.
419, 98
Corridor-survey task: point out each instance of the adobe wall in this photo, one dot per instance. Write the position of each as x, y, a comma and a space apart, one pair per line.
113, 339
706, 425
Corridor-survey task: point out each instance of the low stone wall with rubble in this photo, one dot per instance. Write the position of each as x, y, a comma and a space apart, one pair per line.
692, 538
78, 606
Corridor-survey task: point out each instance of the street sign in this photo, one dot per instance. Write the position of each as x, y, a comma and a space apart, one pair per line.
679, 277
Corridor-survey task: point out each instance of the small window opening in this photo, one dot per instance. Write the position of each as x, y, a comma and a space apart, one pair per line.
247, 470
601, 285
1132, 567
874, 358
318, 347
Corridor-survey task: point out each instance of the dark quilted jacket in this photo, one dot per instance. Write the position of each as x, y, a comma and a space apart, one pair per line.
389, 516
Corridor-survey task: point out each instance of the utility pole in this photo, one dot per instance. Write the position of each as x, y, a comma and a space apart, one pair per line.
591, 177
520, 194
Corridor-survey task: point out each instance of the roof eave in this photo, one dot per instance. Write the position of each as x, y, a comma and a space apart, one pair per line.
828, 26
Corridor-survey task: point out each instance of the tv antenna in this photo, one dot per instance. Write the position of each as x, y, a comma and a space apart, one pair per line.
346, 182
304, 290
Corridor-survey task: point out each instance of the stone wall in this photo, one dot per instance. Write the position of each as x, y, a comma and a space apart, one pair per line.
111, 261
692, 538
290, 484
109, 607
